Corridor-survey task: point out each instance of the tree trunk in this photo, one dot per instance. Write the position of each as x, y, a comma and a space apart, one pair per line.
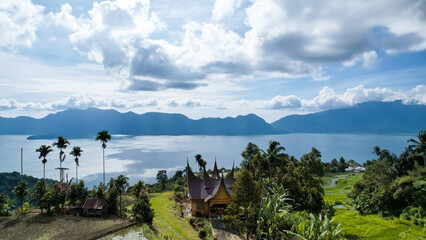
103, 157
120, 206
44, 171
76, 173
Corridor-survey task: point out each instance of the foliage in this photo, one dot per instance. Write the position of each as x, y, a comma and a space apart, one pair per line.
142, 210
162, 178
78, 193
21, 191
103, 136
5, 204
39, 189
59, 195
393, 185
309, 226
121, 183
44, 150
200, 161
202, 226
137, 188
245, 200
10, 180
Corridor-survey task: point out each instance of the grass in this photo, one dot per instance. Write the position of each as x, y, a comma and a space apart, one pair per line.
168, 221
357, 226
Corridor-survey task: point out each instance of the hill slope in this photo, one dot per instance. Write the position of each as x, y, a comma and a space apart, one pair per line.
369, 117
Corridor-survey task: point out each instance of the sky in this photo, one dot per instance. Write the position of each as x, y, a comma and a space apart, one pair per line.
205, 58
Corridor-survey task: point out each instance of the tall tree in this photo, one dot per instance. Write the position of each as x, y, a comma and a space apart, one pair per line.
162, 178
40, 188
275, 156
245, 201
200, 161
249, 153
44, 150
62, 143
21, 191
419, 146
76, 152
122, 182
103, 136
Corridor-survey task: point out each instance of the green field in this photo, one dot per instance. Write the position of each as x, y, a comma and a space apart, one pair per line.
168, 221
356, 226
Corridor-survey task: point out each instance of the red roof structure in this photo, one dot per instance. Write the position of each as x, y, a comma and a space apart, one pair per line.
94, 204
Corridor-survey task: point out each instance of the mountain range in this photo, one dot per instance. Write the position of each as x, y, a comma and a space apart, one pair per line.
369, 117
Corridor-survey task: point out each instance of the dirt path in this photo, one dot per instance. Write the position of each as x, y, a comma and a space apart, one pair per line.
35, 226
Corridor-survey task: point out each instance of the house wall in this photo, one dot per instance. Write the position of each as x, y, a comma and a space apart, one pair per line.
198, 205
222, 197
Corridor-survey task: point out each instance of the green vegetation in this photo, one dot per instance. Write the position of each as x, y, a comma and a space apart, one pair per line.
394, 186
356, 226
168, 220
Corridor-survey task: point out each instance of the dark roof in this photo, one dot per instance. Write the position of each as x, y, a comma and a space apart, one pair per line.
94, 204
207, 188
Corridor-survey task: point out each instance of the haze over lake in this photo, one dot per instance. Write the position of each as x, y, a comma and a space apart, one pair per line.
141, 157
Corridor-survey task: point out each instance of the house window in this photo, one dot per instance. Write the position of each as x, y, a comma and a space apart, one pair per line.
198, 206
202, 206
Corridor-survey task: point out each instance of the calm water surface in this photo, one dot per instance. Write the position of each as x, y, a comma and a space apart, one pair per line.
141, 157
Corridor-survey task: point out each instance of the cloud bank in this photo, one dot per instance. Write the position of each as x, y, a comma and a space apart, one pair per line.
281, 39
326, 99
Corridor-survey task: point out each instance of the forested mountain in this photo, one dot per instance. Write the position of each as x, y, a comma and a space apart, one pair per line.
370, 117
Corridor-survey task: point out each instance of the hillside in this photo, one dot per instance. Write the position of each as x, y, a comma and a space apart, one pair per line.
370, 117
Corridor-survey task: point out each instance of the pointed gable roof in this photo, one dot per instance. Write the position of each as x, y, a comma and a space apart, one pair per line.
205, 189
215, 174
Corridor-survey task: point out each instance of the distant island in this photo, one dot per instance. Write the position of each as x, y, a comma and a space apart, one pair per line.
370, 117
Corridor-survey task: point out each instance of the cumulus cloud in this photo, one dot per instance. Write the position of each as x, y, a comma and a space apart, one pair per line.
283, 39
224, 8
79, 102
327, 98
19, 20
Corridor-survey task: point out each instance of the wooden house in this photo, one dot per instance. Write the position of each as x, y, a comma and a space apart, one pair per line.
210, 195
94, 207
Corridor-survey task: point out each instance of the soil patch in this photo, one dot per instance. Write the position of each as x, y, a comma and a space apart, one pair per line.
36, 225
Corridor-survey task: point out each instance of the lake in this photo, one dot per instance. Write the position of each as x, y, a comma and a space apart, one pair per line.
142, 156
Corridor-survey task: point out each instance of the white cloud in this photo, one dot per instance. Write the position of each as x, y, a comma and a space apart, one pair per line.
79, 102
64, 18
367, 59
224, 8
19, 20
327, 98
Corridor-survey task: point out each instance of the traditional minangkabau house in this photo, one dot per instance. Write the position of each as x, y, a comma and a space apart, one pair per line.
209, 196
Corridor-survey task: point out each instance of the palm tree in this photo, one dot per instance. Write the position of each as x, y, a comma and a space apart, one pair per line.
62, 143
274, 155
121, 183
76, 152
200, 161
419, 146
103, 136
21, 191
44, 150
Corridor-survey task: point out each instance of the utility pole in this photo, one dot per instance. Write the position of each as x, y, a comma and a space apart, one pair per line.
22, 163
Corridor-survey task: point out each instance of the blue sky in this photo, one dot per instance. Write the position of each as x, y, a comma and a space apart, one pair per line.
209, 58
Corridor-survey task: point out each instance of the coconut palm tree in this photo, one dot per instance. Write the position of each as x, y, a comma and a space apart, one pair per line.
275, 155
62, 143
419, 146
76, 152
44, 150
122, 182
103, 136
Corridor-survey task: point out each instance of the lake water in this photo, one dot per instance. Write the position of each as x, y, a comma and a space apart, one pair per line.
141, 157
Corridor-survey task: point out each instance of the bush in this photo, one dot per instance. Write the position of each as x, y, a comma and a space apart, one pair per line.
202, 233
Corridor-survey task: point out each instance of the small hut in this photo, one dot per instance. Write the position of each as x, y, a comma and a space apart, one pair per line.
94, 207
